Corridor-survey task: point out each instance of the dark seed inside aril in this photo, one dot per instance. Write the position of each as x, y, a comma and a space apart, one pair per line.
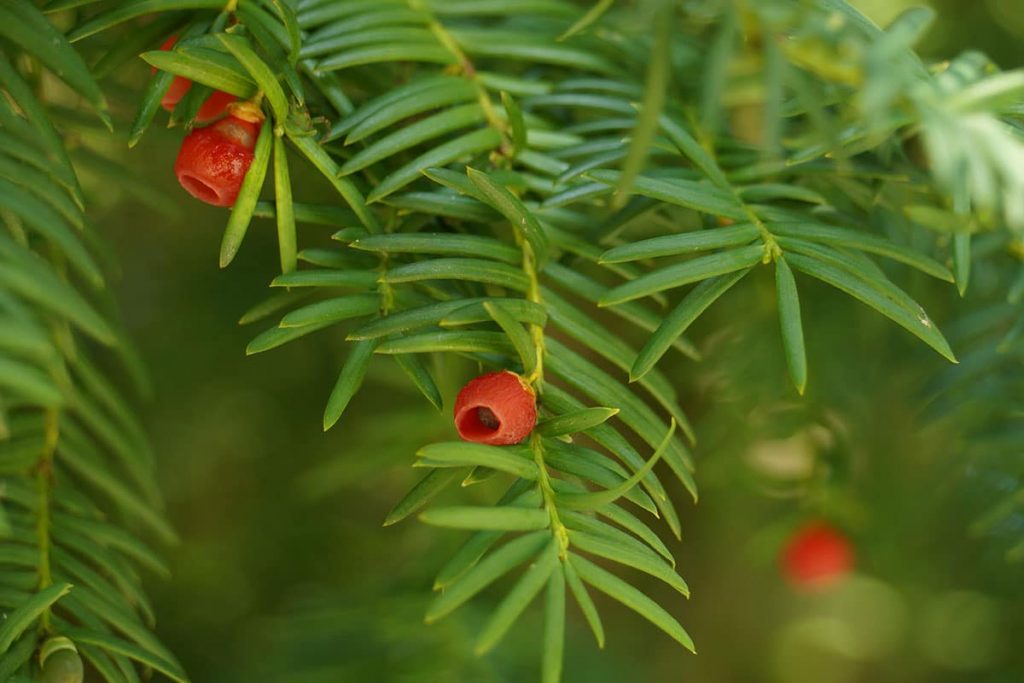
488, 418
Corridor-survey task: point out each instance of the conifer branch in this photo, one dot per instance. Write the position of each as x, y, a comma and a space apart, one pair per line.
503, 234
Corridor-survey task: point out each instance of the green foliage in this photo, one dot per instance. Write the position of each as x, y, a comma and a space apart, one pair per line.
490, 160
77, 472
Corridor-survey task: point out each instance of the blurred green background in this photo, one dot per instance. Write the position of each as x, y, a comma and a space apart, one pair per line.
285, 573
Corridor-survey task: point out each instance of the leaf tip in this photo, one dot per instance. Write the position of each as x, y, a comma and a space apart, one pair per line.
227, 255
104, 115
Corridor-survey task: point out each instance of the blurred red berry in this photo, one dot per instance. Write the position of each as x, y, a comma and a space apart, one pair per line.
212, 108
816, 556
213, 161
498, 408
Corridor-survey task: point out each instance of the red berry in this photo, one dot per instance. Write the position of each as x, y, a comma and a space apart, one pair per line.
179, 86
816, 556
498, 408
212, 108
213, 161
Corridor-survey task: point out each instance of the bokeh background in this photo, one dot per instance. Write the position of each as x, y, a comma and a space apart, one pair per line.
285, 573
